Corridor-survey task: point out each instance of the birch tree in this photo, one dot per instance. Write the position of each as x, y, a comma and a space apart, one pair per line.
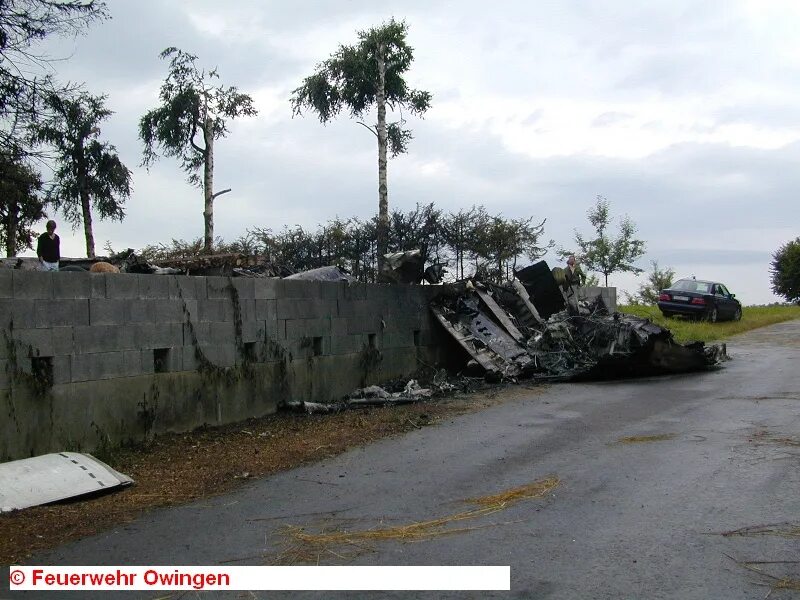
367, 75
192, 115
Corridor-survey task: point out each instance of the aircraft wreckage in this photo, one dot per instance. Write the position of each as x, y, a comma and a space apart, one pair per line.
528, 328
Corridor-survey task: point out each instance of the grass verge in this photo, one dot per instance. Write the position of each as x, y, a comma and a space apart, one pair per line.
686, 330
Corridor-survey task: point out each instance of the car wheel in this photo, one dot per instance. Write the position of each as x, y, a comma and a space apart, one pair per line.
737, 316
711, 316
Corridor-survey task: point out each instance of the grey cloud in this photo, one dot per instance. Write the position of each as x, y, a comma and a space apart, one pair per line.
610, 118
534, 117
712, 257
768, 114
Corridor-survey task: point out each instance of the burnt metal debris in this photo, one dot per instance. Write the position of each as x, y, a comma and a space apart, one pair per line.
528, 328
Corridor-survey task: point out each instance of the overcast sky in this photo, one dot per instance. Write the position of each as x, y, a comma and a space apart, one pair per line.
683, 114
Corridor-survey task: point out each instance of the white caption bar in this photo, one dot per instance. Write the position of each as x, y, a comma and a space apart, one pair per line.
259, 578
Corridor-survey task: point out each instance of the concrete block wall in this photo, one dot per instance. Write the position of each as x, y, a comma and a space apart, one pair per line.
129, 355
609, 295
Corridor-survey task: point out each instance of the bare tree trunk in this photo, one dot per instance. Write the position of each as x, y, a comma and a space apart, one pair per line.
383, 193
208, 189
87, 223
83, 193
11, 229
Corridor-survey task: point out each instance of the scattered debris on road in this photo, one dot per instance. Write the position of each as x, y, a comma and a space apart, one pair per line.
373, 395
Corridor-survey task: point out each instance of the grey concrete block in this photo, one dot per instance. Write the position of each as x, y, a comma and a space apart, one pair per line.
305, 308
62, 369
193, 332
404, 339
153, 286
272, 351
104, 338
221, 355
266, 310
280, 330
214, 310
169, 311
355, 291
32, 284
97, 366
149, 335
245, 286
146, 361
271, 328
63, 340
5, 377
332, 289
347, 344
402, 322
188, 310
248, 310
6, 283
57, 313
267, 288
219, 288
299, 328
365, 324
338, 326
122, 285
33, 342
349, 308
108, 312
175, 359
98, 283
70, 285
186, 286
141, 311
253, 331
307, 349
220, 332
189, 357
132, 363
298, 288
20, 313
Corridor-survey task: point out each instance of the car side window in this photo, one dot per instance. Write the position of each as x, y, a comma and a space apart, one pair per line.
721, 289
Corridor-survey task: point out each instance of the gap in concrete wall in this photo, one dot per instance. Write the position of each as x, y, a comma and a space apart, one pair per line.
317, 346
161, 360
372, 341
416, 337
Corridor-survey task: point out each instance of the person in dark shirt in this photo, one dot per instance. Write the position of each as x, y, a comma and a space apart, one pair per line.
49, 248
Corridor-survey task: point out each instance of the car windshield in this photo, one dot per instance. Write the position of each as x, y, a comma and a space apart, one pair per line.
690, 285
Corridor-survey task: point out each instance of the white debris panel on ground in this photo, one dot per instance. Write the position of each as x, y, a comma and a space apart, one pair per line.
54, 477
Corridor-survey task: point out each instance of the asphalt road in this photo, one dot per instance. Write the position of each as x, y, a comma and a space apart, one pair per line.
635, 520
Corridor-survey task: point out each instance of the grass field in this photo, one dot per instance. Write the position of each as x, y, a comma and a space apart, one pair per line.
685, 330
